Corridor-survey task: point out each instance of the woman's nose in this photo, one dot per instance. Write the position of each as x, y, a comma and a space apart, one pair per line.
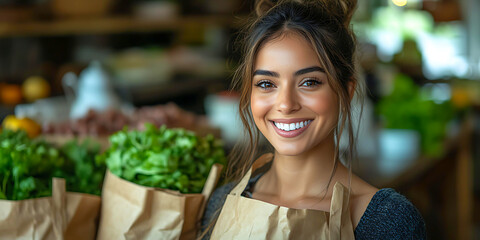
287, 101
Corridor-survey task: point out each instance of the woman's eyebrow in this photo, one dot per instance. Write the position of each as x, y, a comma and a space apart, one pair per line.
297, 73
308, 70
266, 73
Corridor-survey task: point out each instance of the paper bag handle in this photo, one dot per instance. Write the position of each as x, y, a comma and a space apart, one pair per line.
59, 207
262, 160
209, 186
212, 180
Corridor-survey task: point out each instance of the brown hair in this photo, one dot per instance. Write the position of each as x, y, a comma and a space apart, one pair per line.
325, 24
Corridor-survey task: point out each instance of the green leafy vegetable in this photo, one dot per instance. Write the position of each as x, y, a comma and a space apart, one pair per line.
164, 158
82, 171
27, 166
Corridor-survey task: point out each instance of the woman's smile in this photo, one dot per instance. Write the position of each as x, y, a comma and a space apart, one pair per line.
290, 128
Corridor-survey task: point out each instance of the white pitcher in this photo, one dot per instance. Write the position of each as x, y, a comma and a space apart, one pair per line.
92, 90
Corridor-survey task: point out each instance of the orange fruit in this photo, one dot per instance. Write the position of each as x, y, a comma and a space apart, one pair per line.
10, 94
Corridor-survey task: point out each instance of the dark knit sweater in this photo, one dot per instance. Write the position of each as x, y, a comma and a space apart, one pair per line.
389, 215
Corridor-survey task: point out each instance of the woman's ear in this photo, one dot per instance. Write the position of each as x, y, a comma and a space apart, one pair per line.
351, 88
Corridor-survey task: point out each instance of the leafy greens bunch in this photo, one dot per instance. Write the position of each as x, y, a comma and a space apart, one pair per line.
83, 171
27, 166
175, 159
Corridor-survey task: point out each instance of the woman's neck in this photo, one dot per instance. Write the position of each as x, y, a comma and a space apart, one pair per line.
303, 176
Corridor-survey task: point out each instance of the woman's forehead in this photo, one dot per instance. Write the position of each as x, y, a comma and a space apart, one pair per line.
286, 51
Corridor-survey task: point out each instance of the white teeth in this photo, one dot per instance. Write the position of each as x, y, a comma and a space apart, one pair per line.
292, 126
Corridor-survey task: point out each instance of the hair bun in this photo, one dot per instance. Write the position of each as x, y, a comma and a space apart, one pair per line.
341, 9
262, 6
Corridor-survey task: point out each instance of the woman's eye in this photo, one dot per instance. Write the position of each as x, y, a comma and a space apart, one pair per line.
265, 85
310, 83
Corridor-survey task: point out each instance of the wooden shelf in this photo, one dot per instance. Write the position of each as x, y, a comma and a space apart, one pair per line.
155, 92
108, 25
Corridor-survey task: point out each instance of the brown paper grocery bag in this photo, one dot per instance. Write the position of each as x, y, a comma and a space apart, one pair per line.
131, 211
83, 215
246, 218
61, 216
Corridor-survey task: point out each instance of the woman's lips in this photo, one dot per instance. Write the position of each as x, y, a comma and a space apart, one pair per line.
300, 126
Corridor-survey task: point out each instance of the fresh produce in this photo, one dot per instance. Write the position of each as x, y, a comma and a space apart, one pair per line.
35, 88
164, 158
30, 126
28, 165
10, 94
82, 170
111, 121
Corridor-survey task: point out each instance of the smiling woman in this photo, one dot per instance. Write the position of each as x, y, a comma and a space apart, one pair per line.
290, 88
297, 81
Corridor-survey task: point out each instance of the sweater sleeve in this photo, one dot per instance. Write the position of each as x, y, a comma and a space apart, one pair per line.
390, 215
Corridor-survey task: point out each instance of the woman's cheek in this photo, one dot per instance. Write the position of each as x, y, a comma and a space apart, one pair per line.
321, 103
260, 104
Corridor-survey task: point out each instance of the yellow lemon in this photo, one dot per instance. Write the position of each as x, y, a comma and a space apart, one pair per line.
30, 126
34, 88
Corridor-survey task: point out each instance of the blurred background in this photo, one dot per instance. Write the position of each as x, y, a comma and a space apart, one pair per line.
71, 68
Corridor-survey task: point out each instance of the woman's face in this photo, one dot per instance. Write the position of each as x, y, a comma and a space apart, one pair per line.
292, 103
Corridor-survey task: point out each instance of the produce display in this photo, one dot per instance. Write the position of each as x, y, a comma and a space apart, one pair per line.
28, 165
111, 121
153, 158
10, 94
32, 128
34, 88
174, 159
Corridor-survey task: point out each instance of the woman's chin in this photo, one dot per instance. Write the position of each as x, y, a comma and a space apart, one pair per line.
289, 150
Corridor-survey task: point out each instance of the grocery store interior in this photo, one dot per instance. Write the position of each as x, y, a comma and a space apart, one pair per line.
87, 69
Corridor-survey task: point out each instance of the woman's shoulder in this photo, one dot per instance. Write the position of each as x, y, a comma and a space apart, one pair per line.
390, 215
